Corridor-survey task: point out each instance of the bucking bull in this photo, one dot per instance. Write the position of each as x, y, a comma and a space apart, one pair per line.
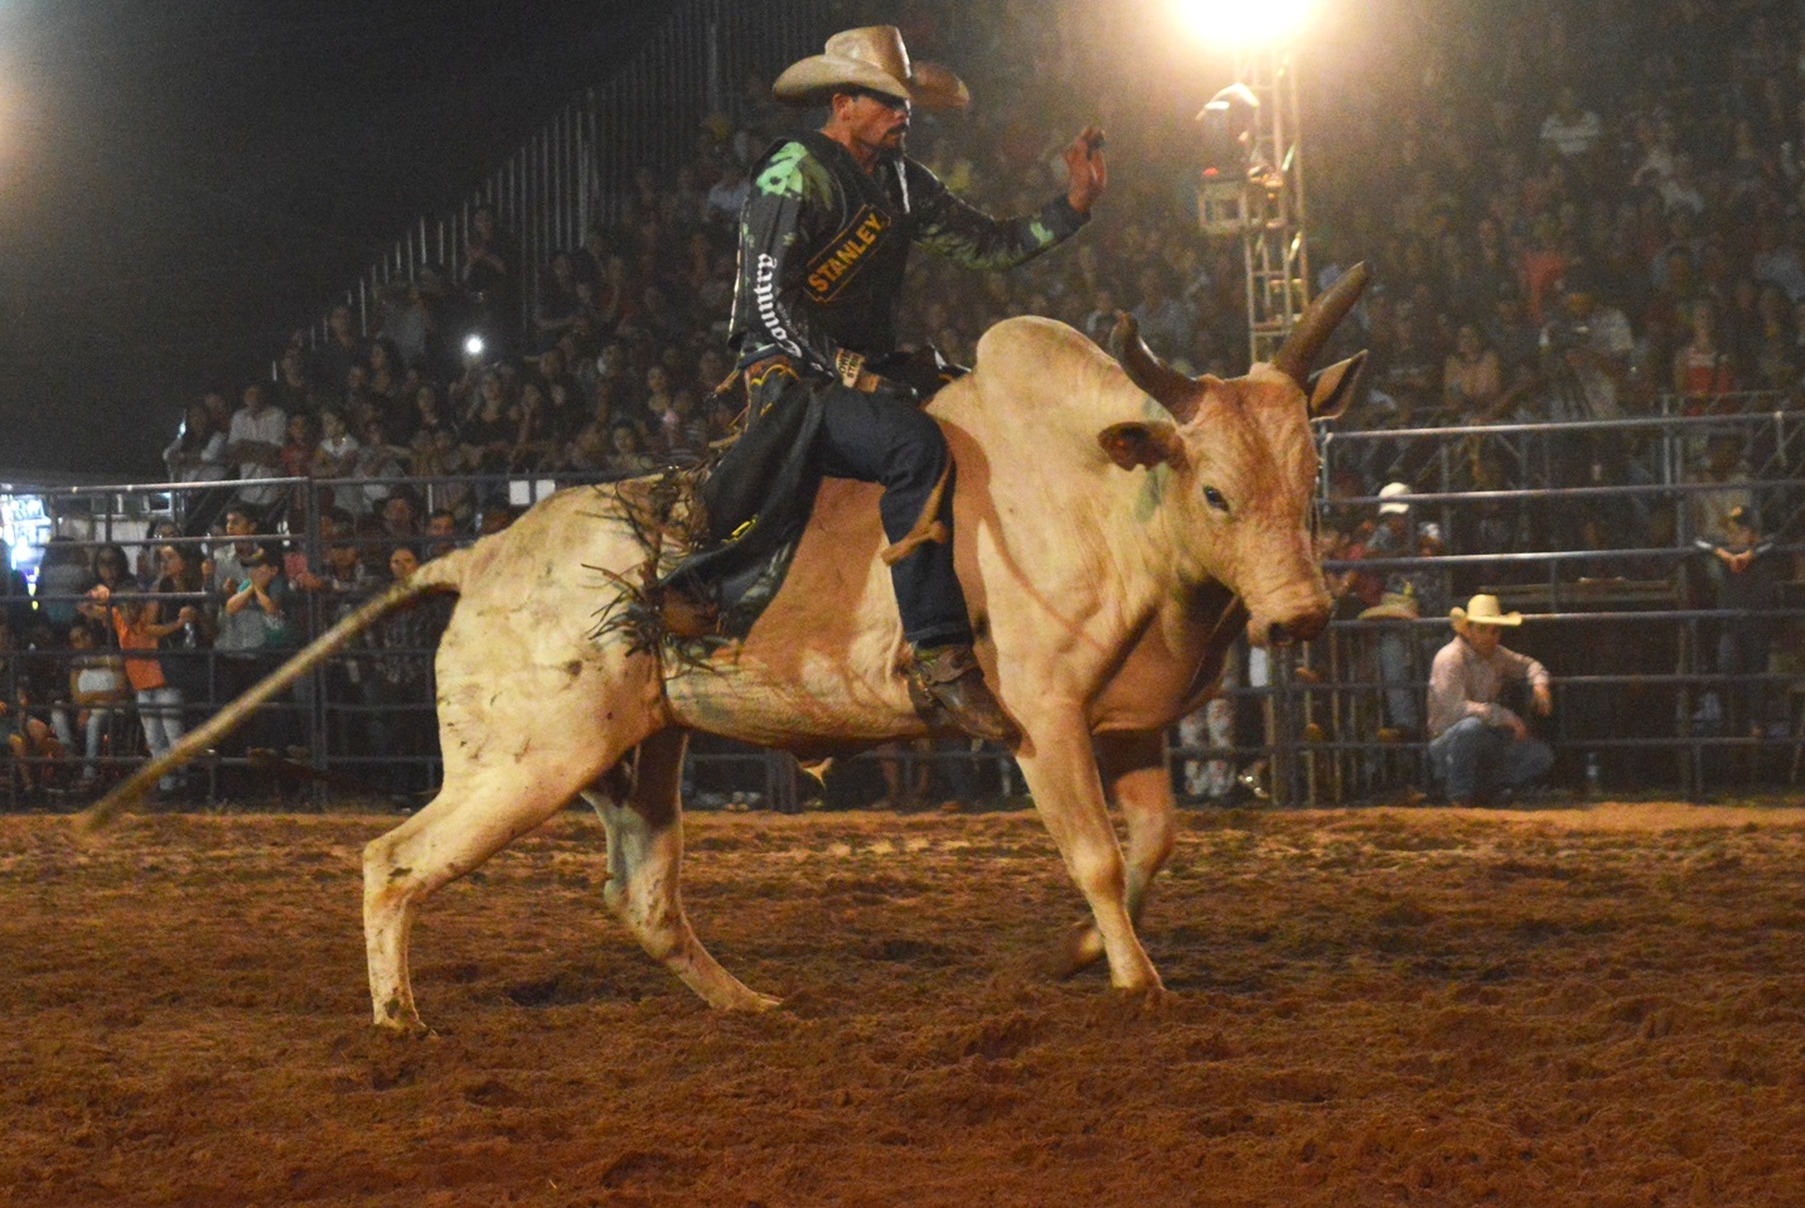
1117, 523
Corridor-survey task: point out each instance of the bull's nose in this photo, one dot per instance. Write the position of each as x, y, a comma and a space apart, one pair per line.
1300, 628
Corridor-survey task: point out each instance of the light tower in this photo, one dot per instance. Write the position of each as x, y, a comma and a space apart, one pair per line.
1252, 181
1251, 186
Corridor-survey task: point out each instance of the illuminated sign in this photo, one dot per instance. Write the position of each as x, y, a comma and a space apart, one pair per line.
25, 527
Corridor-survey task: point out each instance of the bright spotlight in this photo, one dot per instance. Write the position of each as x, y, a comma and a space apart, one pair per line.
473, 346
1244, 22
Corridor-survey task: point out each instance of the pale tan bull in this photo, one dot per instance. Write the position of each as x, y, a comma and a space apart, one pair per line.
1117, 523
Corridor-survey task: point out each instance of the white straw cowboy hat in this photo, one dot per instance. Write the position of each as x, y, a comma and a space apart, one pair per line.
1394, 493
872, 57
1392, 606
1483, 610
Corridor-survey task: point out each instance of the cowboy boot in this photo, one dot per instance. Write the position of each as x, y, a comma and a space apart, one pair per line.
948, 679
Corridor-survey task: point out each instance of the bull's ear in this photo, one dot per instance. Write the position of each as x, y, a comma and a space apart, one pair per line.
1333, 389
1143, 444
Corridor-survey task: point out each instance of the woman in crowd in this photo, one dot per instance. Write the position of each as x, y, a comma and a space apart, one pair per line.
182, 648
97, 685
198, 453
1702, 369
1472, 380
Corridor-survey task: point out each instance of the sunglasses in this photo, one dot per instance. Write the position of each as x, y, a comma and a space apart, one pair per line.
883, 98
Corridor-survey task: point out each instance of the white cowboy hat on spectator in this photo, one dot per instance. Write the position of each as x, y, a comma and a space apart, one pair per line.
1393, 493
872, 57
1482, 610
1392, 606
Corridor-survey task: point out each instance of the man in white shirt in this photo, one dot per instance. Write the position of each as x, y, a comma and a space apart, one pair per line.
254, 442
1570, 130
1478, 747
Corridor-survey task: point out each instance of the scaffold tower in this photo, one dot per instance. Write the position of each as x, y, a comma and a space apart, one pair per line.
1264, 204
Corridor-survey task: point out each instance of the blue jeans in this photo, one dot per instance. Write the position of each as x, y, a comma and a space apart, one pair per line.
1471, 758
1401, 691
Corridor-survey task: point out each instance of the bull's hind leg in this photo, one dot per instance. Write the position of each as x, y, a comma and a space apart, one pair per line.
645, 856
517, 749
470, 820
1135, 775
1061, 772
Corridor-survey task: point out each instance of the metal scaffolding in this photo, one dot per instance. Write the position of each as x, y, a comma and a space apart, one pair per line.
1260, 197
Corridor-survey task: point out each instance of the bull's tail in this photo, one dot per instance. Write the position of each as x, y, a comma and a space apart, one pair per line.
440, 574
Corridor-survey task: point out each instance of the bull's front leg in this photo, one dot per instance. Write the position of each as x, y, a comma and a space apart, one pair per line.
1135, 777
1061, 772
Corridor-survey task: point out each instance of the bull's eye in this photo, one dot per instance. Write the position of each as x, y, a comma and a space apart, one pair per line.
1214, 498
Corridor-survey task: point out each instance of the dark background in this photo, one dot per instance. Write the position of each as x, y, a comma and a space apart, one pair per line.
183, 183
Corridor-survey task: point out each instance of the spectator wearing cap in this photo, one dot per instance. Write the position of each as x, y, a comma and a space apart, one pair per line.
1410, 592
1478, 748
255, 632
1745, 578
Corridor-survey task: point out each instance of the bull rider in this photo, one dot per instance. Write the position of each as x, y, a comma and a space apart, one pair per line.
824, 239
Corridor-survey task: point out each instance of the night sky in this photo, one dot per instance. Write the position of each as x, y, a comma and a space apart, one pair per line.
184, 182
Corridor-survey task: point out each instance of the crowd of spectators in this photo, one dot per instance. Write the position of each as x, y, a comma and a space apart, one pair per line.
1575, 211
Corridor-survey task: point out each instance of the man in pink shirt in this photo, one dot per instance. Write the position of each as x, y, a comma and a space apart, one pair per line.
1478, 747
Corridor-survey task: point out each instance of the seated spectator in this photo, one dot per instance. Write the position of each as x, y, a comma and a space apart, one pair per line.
557, 304
342, 348
1569, 130
296, 458
430, 419
254, 444
198, 453
386, 374
63, 576
30, 740
97, 684
1702, 369
441, 457
336, 454
1479, 749
488, 430
443, 533
1472, 382
628, 457
113, 569
380, 463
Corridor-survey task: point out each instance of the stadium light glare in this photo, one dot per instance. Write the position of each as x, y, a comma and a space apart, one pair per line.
1244, 22
473, 346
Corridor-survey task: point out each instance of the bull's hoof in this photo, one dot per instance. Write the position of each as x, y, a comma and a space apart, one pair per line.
752, 1000
404, 1029
1150, 1002
1079, 948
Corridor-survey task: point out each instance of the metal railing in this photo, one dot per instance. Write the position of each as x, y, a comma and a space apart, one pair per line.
1637, 682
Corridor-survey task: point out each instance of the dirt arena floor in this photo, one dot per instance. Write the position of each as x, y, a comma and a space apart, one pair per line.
1568, 1007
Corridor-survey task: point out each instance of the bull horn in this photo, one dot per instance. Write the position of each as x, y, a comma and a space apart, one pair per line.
1297, 355
1173, 390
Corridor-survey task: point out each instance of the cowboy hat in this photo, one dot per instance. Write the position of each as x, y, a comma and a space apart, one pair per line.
873, 58
1392, 606
1483, 610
